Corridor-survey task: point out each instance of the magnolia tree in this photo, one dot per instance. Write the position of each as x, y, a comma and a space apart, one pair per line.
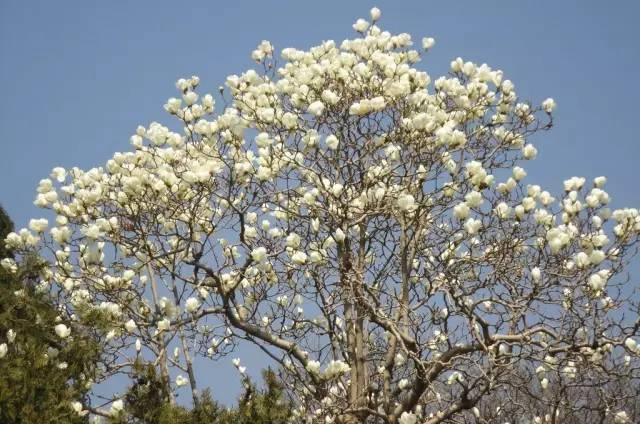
372, 231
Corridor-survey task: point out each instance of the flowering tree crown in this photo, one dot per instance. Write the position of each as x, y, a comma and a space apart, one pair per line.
372, 230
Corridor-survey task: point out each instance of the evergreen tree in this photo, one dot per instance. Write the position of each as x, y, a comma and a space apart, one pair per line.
146, 402
41, 376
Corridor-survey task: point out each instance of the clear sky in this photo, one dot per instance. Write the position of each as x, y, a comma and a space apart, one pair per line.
79, 76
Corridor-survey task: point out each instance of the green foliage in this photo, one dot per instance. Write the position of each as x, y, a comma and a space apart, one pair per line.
6, 226
147, 400
147, 403
146, 408
268, 405
40, 375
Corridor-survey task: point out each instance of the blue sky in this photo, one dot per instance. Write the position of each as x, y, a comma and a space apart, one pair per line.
79, 76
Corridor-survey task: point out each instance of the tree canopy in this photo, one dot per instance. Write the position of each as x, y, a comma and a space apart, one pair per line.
40, 377
372, 230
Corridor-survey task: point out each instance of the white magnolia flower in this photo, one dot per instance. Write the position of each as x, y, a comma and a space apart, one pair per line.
599, 182
519, 173
266, 114
570, 370
339, 235
62, 331
164, 324
455, 376
544, 383
581, 259
529, 152
574, 183
3, 350
38, 225
621, 417
173, 106
408, 418
536, 274
336, 368
192, 305
596, 282
59, 174
472, 226
117, 407
266, 321
190, 98
461, 211
406, 203
313, 367
361, 25
597, 256
332, 142
503, 210
375, 14
293, 240
77, 407
259, 254
473, 199
329, 97
181, 381
316, 108
428, 42
9, 265
549, 105
91, 231
11, 336
130, 326
299, 258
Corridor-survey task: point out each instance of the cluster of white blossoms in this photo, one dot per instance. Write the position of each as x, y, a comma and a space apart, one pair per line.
346, 179
62, 331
